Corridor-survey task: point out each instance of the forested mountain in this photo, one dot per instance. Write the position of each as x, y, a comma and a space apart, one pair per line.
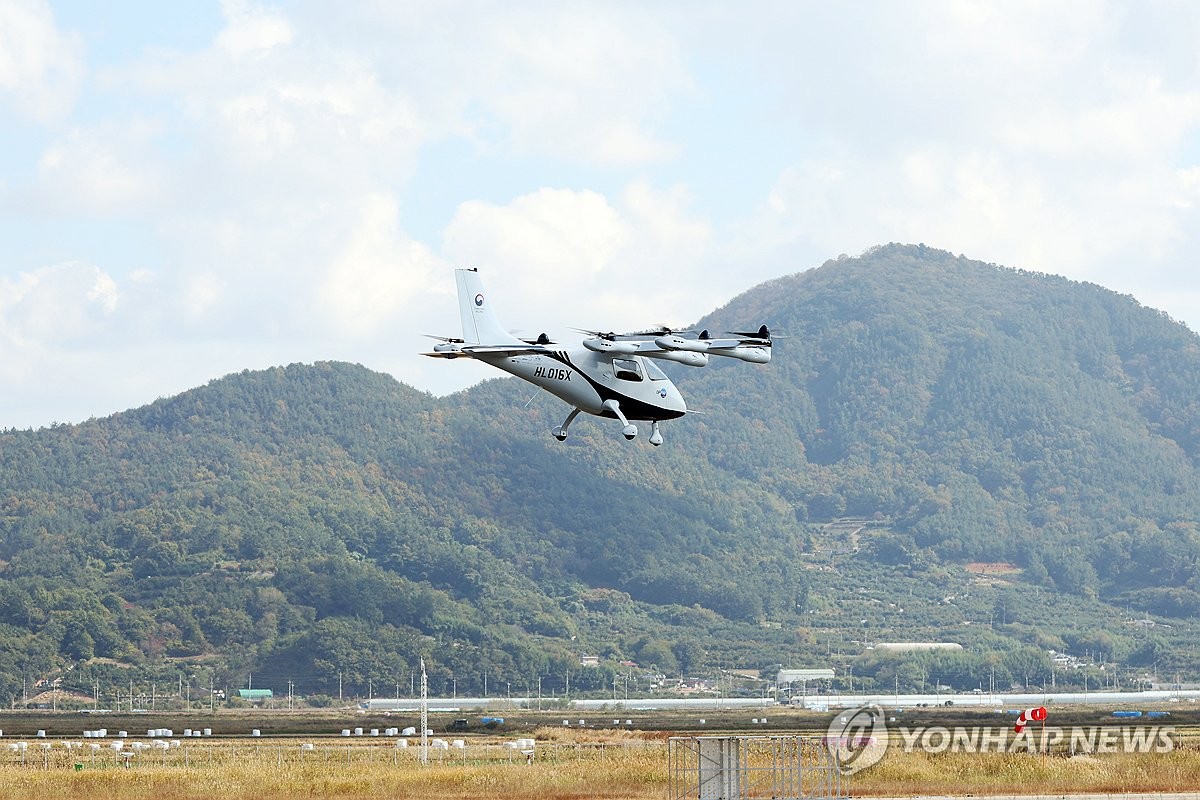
325, 523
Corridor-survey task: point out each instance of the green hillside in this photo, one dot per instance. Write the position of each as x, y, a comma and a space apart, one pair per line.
941, 450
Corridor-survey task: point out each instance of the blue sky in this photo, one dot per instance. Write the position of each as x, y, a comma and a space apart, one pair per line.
192, 189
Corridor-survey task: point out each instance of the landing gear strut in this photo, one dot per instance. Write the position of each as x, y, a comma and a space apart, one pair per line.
629, 431
560, 432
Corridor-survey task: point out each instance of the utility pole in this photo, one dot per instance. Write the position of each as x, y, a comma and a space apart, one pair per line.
339, 686
289, 694
424, 715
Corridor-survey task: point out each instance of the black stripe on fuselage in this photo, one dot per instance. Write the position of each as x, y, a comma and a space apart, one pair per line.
631, 407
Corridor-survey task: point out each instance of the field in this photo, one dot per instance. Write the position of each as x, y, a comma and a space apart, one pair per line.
569, 762
611, 766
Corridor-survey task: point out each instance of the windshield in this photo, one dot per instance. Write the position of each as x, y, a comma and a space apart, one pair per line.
653, 371
626, 369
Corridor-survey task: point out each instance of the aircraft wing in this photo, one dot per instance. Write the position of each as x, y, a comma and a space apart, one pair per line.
695, 352
695, 345
477, 350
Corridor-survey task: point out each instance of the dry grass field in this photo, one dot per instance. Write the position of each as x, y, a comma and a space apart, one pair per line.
616, 765
568, 764
964, 774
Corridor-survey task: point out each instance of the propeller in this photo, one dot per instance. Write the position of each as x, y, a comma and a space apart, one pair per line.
541, 339
447, 339
762, 333
610, 336
659, 330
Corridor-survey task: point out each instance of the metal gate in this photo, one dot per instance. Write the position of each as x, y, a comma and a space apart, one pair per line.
744, 767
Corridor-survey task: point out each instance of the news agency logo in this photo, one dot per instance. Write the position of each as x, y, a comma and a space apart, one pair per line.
859, 738
1077, 740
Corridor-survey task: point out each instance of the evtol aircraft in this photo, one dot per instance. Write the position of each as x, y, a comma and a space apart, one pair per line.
610, 375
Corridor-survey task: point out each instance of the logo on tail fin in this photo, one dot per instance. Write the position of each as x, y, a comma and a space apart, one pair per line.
479, 301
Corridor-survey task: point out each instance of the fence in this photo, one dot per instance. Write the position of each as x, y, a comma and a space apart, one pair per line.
744, 767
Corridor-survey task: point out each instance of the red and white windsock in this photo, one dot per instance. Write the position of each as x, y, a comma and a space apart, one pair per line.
1029, 715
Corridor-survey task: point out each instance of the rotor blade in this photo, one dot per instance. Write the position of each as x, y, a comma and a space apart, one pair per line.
602, 334
762, 333
660, 330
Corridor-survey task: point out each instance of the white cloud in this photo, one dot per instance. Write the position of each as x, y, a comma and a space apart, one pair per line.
583, 85
98, 172
201, 293
40, 66
1027, 134
671, 235
251, 31
323, 117
57, 304
571, 258
538, 234
378, 274
1138, 120
984, 203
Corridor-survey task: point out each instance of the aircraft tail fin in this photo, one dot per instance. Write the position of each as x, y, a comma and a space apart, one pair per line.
479, 322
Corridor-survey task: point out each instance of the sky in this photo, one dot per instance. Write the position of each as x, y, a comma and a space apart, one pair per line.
193, 189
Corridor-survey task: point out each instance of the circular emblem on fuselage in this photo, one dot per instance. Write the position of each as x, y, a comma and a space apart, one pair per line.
662, 393
478, 301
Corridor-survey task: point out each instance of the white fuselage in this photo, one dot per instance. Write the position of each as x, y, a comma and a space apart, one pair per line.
586, 379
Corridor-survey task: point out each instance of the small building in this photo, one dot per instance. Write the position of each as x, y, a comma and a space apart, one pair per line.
803, 675
589, 661
787, 678
915, 647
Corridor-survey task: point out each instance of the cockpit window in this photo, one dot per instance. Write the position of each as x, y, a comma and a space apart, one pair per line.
626, 369
654, 372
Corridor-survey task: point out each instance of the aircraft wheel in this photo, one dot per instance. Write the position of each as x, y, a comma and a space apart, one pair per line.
630, 431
